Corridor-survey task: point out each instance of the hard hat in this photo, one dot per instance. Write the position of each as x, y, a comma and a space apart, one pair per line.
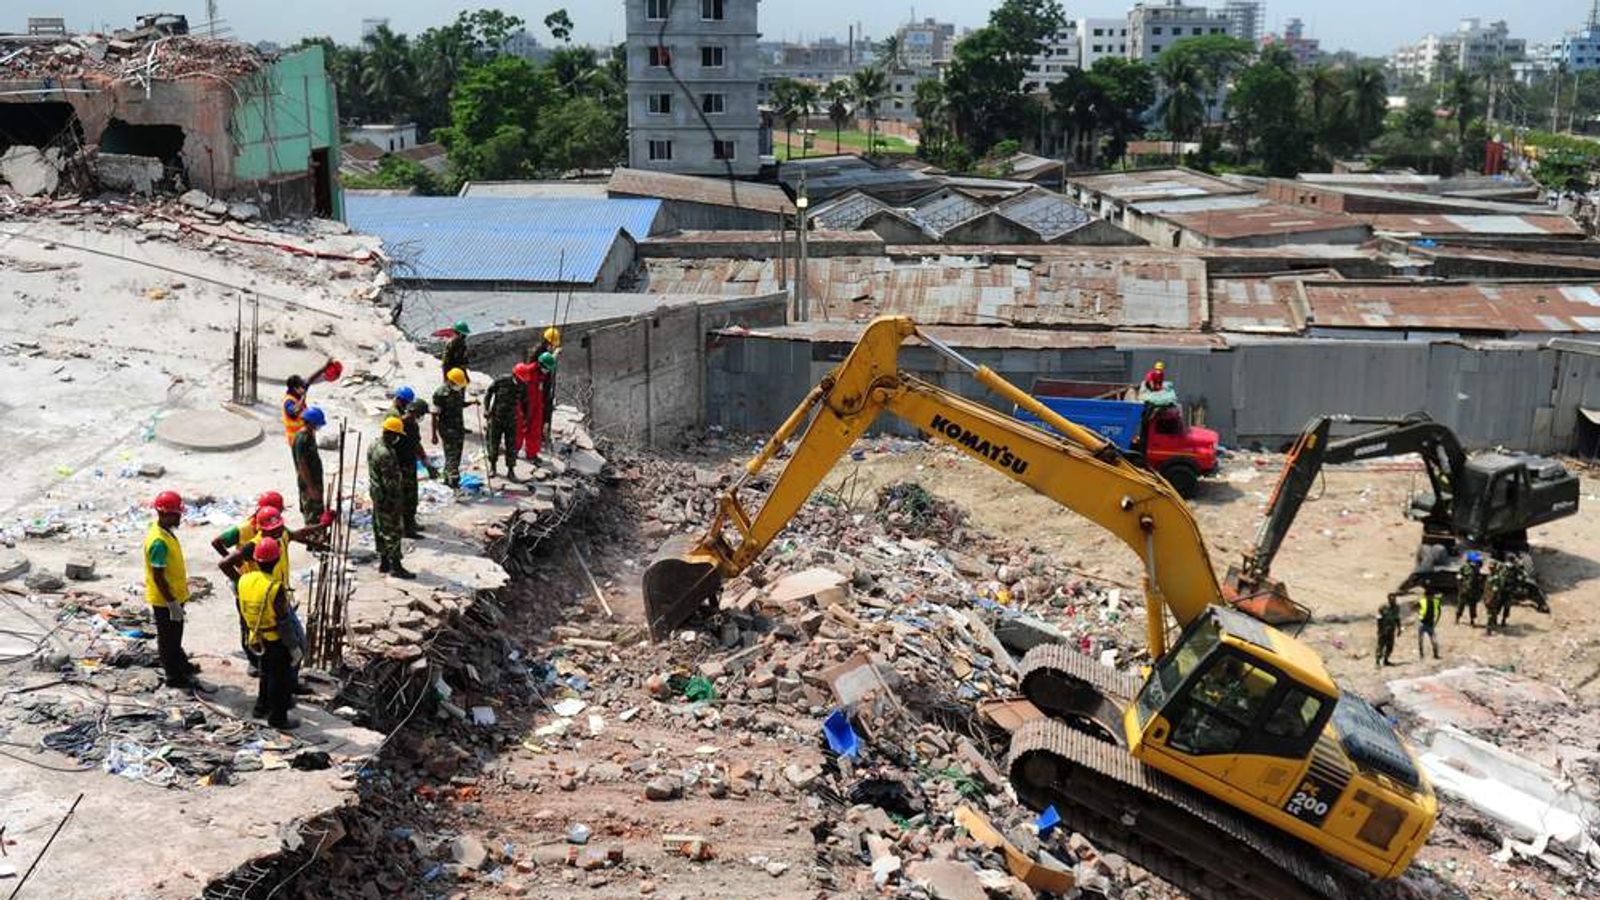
269, 518
457, 377
267, 499
332, 371
267, 550
420, 407
552, 336
168, 502
547, 361
1474, 557
404, 393
461, 327
522, 372
1161, 367
315, 417
393, 425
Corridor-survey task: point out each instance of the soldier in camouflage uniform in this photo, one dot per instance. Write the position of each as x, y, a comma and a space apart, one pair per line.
506, 402
1498, 596
1388, 628
409, 453
388, 501
1470, 582
449, 422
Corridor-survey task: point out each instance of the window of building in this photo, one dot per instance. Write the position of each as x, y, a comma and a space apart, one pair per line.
1096, 48
660, 104
1155, 48
1122, 33
656, 10
712, 10
899, 104
1099, 32
713, 103
1195, 30
711, 57
1156, 30
899, 88
660, 57
660, 150
724, 150
1216, 31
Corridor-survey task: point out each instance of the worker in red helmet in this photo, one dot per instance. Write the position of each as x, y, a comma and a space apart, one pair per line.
246, 530
166, 589
267, 521
264, 608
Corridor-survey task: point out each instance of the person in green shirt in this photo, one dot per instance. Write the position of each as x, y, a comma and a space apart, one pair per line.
449, 422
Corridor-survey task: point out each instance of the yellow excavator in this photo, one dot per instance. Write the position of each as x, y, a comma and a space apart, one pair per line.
1236, 767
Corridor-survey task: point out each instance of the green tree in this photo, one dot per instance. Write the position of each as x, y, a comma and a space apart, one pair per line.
984, 82
1183, 105
1327, 107
387, 78
581, 134
785, 105
1417, 121
1368, 99
1267, 116
929, 104
1216, 58
1078, 102
398, 173
869, 86
1129, 88
805, 102
439, 56
560, 25
494, 117
889, 52
837, 94
1461, 95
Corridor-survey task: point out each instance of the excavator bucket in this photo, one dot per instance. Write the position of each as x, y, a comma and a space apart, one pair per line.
1268, 601
677, 584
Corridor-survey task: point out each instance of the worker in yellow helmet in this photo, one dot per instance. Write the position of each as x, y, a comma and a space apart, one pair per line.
449, 421
544, 356
388, 499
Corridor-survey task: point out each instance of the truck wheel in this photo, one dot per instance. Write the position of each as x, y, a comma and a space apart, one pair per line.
1184, 478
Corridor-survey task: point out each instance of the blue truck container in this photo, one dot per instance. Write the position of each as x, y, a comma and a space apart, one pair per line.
1118, 421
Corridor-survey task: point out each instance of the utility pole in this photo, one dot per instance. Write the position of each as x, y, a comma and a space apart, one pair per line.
802, 302
1555, 105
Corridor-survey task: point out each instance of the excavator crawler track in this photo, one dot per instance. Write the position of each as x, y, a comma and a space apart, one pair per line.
1211, 851
1070, 686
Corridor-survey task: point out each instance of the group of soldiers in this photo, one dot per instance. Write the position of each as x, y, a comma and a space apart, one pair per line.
1495, 584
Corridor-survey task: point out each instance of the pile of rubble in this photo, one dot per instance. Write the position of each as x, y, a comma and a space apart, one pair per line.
125, 56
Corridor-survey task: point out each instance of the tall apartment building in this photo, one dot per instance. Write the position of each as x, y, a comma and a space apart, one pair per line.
1305, 50
925, 44
1247, 17
1061, 52
711, 46
1100, 38
1155, 27
1467, 49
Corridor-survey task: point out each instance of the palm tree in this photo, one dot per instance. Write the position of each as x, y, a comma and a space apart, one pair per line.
889, 52
1368, 95
837, 93
805, 103
1183, 109
785, 104
869, 86
1325, 102
931, 108
386, 76
1461, 95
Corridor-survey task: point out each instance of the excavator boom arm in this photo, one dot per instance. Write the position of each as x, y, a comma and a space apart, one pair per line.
1075, 467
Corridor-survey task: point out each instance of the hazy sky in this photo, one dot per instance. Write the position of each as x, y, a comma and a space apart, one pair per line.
1367, 26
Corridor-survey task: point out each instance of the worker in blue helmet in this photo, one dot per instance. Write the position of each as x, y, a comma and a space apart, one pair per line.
1470, 583
403, 395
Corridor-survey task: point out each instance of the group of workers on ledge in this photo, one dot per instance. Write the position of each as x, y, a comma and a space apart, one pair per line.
256, 551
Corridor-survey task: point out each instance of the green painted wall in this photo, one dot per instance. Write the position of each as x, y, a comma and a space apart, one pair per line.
285, 112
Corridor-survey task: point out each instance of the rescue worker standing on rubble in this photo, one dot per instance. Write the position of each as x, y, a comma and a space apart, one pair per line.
1469, 587
388, 503
1430, 608
166, 589
264, 607
505, 402
551, 346
295, 403
270, 525
1388, 629
455, 350
410, 452
449, 422
308, 466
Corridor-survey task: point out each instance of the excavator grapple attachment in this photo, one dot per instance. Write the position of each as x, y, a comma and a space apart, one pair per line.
677, 584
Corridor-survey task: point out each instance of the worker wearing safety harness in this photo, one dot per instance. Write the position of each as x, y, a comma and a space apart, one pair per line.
270, 526
166, 589
264, 608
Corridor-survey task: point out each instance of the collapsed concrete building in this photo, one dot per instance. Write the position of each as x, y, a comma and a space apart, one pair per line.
156, 107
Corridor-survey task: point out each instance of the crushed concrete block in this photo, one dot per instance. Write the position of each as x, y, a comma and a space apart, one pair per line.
12, 564
587, 462
195, 199
152, 470
30, 171
44, 582
80, 568
247, 212
819, 586
469, 852
127, 173
947, 879
1021, 633
217, 208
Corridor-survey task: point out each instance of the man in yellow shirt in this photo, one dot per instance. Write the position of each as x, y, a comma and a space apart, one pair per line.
166, 589
264, 608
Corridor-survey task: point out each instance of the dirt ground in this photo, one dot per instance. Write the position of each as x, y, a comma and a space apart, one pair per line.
1350, 545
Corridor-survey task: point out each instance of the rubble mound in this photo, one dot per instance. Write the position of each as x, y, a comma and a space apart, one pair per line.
911, 509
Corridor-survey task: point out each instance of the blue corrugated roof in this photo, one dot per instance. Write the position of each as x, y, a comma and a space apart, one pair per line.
499, 239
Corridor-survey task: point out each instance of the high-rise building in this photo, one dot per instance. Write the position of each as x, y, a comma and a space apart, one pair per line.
710, 45
1305, 50
924, 44
1153, 27
1059, 54
1469, 48
1247, 18
1578, 50
1100, 38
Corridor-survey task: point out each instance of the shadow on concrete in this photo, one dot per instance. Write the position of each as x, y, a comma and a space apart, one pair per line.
1213, 492
1560, 570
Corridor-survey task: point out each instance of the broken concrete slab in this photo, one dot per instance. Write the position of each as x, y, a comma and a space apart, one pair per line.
208, 430
128, 174
1021, 633
30, 171
947, 879
12, 564
818, 586
1472, 696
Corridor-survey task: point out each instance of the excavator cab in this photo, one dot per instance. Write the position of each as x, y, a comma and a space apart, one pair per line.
1237, 708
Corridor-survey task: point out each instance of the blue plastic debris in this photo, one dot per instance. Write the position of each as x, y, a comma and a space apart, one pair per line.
1048, 820
841, 736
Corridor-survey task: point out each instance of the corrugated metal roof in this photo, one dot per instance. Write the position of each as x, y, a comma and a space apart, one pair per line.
1269, 305
1100, 290
943, 209
1156, 184
1223, 220
696, 189
1536, 225
1048, 213
1494, 306
594, 190
992, 338
497, 239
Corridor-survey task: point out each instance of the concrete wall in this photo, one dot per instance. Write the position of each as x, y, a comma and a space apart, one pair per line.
681, 215
285, 114
641, 379
1254, 393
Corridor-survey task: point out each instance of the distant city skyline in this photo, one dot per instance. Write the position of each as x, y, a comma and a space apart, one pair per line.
1369, 27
